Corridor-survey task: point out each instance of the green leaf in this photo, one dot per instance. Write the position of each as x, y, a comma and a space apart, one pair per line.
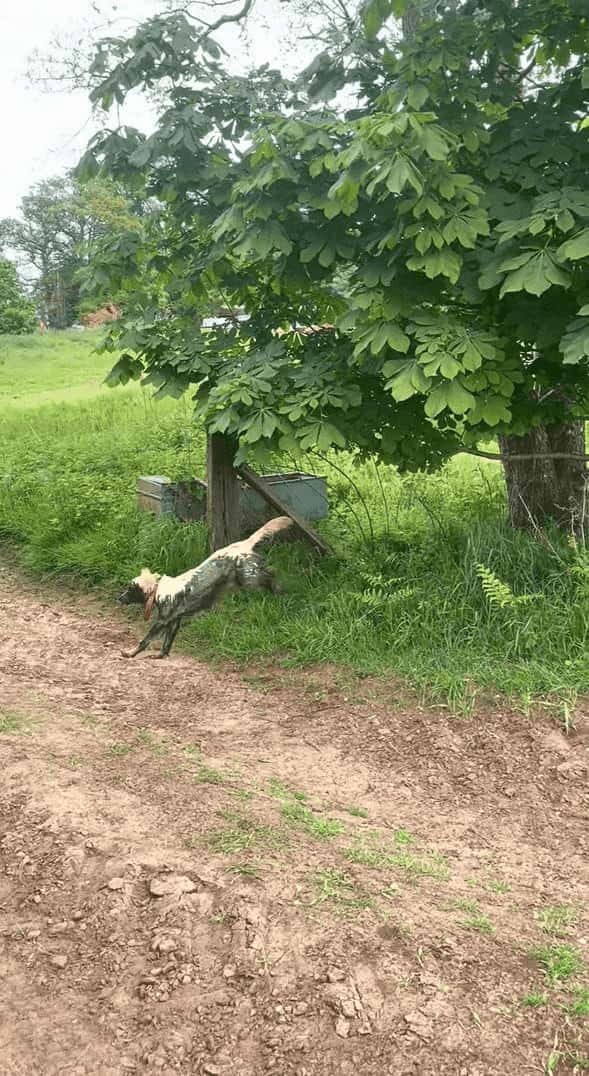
374, 14
437, 401
585, 78
396, 338
449, 367
310, 252
140, 156
459, 400
565, 221
434, 143
417, 95
575, 248
535, 276
495, 410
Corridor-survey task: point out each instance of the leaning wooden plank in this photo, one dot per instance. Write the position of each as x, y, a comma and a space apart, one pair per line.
267, 493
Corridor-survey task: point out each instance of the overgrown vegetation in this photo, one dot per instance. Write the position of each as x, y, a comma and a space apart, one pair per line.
404, 594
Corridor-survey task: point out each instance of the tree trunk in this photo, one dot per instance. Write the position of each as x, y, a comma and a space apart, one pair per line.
543, 490
223, 496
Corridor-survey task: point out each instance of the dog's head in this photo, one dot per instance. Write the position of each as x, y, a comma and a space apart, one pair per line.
141, 590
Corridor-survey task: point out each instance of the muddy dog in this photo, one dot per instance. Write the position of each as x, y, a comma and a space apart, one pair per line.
171, 599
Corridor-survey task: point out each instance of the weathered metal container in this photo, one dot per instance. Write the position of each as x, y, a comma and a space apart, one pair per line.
186, 501
306, 494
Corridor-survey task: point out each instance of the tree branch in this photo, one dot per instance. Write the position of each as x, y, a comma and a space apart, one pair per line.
502, 456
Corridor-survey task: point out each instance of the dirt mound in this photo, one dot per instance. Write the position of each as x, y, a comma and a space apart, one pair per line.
206, 872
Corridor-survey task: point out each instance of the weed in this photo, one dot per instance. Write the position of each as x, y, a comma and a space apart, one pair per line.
12, 722
74, 761
403, 836
209, 776
356, 812
337, 888
557, 919
245, 870
475, 919
157, 747
281, 791
221, 917
579, 1006
191, 749
243, 834
428, 864
497, 886
301, 817
534, 1001
119, 750
559, 962
242, 794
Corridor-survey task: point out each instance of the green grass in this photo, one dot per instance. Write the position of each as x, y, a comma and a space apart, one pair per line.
12, 722
557, 919
373, 853
242, 834
300, 817
579, 1006
558, 962
535, 1001
497, 886
474, 918
208, 775
60, 366
403, 594
336, 888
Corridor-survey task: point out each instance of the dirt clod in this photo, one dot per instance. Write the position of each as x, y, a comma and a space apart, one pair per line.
171, 885
59, 960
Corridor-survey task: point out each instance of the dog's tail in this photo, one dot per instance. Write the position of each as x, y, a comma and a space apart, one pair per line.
270, 528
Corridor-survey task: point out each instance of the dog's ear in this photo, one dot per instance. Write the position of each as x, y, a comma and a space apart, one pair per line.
149, 603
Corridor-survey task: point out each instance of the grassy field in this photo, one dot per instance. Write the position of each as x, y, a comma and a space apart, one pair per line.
405, 594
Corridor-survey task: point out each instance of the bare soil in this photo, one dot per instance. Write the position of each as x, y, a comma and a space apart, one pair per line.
209, 871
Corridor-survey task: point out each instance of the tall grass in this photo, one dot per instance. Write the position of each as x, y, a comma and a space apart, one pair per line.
428, 581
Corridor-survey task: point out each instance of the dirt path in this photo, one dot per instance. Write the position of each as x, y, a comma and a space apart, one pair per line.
203, 873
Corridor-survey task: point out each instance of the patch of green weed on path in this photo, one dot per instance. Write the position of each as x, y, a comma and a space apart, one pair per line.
557, 919
372, 852
243, 833
300, 817
14, 723
558, 962
340, 891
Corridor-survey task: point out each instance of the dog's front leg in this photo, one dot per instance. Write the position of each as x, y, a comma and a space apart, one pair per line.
147, 639
169, 636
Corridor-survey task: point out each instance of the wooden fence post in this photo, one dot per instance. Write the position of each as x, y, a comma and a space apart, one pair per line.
223, 499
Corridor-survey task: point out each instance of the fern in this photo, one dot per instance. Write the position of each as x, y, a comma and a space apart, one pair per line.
499, 593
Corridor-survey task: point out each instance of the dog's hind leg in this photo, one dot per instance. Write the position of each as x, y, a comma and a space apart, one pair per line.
152, 634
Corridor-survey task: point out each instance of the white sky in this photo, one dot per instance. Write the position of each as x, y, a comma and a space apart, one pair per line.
43, 133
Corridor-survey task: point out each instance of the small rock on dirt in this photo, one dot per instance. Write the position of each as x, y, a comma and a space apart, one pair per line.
171, 885
211, 1070
342, 1027
59, 960
164, 944
335, 975
115, 883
